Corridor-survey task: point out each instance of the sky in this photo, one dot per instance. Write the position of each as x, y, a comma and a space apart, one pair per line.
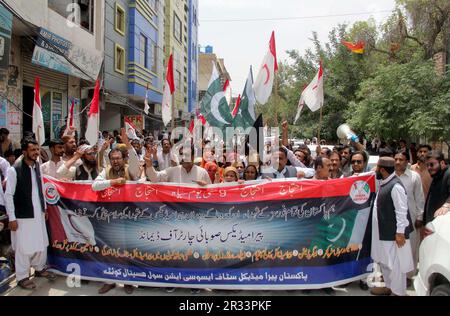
242, 44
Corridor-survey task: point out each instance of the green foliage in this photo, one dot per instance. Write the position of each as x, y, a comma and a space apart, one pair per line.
391, 91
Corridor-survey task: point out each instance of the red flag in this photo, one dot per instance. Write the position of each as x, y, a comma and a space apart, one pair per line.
273, 49
69, 122
70, 118
191, 127
236, 107
93, 125
201, 117
227, 91
38, 119
169, 89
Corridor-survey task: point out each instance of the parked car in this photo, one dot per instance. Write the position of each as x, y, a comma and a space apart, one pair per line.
434, 259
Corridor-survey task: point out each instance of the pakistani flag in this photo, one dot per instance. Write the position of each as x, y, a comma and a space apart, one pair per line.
342, 230
245, 118
214, 106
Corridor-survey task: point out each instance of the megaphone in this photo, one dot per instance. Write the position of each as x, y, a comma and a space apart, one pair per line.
345, 132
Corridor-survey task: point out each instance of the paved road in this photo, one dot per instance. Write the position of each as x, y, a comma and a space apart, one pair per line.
60, 288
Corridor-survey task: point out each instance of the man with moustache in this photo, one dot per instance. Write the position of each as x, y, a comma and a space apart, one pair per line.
421, 167
88, 171
322, 167
116, 175
391, 226
165, 158
25, 206
50, 167
70, 148
416, 202
335, 168
186, 172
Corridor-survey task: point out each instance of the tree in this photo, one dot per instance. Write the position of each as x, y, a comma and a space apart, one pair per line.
401, 100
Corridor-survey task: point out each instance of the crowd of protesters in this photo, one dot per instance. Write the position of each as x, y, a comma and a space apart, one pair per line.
423, 180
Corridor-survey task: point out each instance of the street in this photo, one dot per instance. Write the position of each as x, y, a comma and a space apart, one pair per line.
60, 288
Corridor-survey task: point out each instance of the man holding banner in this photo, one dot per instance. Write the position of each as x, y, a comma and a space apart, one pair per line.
25, 206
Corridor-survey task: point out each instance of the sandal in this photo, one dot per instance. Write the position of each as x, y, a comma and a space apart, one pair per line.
45, 274
26, 284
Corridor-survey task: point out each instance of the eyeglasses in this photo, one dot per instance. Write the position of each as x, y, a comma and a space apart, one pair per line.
359, 162
431, 165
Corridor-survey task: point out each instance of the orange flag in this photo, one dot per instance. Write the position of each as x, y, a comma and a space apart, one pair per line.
357, 48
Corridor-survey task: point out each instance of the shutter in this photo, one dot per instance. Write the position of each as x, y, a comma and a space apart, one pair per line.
49, 78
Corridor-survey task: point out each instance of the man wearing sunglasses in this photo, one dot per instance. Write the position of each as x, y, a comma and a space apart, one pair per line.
438, 199
358, 163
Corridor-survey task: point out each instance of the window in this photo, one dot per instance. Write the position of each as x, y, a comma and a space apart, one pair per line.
178, 82
80, 12
143, 51
119, 59
119, 24
177, 31
154, 57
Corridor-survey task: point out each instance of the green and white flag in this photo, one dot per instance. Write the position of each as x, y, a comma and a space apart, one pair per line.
214, 106
342, 230
246, 117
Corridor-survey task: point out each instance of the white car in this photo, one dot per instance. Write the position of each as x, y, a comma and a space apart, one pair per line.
434, 267
372, 163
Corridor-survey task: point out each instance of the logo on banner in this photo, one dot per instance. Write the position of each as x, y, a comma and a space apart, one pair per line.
360, 192
51, 193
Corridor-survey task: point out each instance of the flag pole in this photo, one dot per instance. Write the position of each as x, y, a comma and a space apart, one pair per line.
276, 99
173, 113
320, 125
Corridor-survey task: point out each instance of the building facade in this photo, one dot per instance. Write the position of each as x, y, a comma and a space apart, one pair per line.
134, 55
205, 66
193, 51
61, 42
176, 43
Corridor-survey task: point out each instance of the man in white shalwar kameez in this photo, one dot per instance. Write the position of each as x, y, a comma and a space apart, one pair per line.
391, 226
416, 203
27, 216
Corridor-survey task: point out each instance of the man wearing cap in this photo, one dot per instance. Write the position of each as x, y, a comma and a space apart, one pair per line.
88, 171
391, 226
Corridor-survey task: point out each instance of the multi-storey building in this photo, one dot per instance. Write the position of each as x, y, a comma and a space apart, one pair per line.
176, 43
133, 62
193, 51
59, 41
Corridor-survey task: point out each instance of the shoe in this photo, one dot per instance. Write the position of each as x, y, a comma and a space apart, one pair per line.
329, 291
196, 291
409, 283
106, 288
45, 274
380, 291
26, 284
170, 289
129, 289
306, 291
